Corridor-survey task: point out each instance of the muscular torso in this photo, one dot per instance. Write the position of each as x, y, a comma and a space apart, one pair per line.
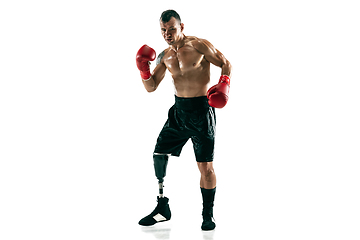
189, 69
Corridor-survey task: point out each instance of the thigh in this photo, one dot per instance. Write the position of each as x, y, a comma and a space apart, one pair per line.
172, 137
170, 141
204, 137
203, 148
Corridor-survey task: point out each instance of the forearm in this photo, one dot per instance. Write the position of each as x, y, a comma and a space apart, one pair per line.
226, 68
150, 84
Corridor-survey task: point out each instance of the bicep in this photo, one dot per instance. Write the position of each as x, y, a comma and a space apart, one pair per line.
160, 57
159, 73
211, 54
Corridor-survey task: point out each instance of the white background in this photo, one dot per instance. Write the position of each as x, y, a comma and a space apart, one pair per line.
77, 128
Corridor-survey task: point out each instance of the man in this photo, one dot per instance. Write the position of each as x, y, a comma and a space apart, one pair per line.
193, 115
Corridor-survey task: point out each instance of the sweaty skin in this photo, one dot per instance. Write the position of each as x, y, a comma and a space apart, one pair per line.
188, 60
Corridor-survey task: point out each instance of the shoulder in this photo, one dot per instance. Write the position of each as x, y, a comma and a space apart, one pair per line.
202, 45
161, 56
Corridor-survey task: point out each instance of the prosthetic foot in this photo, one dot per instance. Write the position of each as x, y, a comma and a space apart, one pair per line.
160, 214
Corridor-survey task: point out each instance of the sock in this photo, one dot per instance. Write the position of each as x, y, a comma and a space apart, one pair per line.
208, 196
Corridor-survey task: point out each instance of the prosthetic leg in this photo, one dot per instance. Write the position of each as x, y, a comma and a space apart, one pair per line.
160, 164
162, 211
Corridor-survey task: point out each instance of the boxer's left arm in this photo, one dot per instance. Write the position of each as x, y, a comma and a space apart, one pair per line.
214, 56
218, 94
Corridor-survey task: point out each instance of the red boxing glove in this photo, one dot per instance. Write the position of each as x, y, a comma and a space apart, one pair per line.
218, 94
143, 56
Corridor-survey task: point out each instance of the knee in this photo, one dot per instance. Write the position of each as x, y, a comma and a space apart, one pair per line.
206, 169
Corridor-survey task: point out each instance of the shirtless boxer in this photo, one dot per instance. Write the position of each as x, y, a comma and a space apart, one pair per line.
193, 115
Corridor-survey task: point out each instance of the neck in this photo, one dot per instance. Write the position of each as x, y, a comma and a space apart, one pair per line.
179, 44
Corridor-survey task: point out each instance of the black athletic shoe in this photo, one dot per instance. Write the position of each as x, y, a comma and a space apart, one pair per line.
160, 214
208, 223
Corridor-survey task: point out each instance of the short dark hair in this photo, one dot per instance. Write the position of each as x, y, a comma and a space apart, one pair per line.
168, 14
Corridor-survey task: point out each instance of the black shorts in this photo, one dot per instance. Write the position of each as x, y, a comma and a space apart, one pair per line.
189, 118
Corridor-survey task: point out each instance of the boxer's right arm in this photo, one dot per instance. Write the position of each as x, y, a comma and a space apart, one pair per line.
157, 75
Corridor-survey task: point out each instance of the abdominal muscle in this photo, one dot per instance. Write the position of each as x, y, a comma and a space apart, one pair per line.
192, 83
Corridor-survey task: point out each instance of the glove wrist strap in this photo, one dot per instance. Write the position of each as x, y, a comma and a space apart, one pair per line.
225, 79
145, 80
145, 75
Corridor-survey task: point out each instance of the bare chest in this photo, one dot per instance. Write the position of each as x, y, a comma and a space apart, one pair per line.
186, 59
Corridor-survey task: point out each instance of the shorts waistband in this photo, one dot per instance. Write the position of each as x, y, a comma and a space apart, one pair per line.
189, 104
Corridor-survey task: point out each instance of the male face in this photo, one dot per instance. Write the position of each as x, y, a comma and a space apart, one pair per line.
172, 30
